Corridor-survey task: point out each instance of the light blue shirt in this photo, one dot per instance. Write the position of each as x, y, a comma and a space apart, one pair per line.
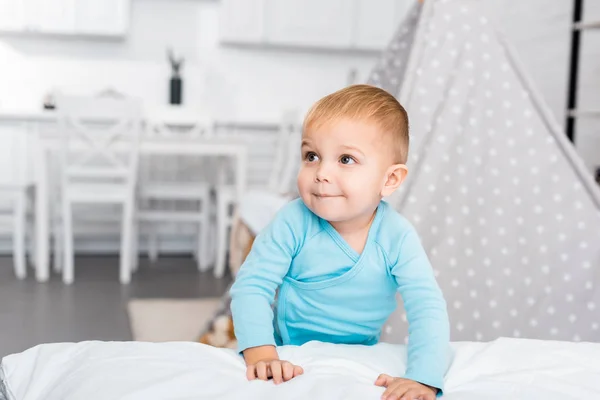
328, 292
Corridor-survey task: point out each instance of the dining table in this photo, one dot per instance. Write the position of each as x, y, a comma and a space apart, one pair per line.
44, 137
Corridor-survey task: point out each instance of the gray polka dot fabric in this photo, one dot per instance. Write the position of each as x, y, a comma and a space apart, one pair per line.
509, 216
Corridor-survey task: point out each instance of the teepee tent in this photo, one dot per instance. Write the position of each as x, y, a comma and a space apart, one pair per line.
507, 212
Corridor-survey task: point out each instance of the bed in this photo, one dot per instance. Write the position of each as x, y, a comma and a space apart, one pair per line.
501, 369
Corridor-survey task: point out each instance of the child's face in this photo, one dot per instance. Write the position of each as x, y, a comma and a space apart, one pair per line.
345, 167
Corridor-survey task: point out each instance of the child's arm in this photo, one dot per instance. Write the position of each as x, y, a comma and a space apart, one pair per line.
260, 353
253, 292
429, 330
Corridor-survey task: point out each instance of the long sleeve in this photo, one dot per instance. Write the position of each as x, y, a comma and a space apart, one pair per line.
428, 326
253, 292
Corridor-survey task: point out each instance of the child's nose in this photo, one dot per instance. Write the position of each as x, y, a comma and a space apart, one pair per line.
323, 173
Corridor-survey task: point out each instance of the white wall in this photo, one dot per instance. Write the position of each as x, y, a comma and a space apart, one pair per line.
250, 82
223, 80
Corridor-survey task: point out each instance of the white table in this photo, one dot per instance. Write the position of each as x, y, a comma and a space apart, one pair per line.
148, 146
151, 145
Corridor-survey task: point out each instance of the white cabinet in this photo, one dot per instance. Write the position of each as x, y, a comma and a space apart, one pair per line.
326, 24
50, 16
313, 23
11, 15
65, 17
376, 22
102, 17
242, 21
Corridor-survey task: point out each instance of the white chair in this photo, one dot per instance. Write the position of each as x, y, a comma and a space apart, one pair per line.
271, 168
175, 180
99, 165
14, 190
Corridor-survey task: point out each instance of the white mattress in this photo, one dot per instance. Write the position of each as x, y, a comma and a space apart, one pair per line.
257, 208
503, 369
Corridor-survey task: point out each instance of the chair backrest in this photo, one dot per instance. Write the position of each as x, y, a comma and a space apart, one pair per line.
176, 124
15, 157
180, 123
287, 160
287, 184
101, 137
283, 160
268, 152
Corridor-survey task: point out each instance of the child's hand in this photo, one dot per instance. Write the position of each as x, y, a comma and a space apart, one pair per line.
404, 389
279, 370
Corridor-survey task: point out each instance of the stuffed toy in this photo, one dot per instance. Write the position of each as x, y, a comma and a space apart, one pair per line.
220, 333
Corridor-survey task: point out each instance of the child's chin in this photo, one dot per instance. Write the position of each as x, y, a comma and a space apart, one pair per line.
328, 213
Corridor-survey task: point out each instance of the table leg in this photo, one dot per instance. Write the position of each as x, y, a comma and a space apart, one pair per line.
41, 212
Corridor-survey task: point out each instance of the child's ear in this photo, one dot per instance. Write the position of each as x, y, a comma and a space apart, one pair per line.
395, 175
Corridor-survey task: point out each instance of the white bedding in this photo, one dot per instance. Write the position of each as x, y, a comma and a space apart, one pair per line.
503, 369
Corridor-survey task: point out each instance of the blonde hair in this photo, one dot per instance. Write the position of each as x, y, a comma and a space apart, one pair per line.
368, 103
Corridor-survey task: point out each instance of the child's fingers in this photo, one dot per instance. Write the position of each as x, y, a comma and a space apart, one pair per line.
298, 370
395, 391
383, 380
251, 372
288, 370
261, 370
428, 396
411, 395
276, 372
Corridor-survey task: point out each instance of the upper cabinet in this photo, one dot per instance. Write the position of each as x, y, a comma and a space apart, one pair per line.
12, 15
326, 24
50, 16
102, 17
241, 21
377, 21
322, 23
65, 17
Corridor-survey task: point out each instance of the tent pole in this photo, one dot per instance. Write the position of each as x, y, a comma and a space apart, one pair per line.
573, 69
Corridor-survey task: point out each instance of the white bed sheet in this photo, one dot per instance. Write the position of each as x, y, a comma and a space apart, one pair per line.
503, 369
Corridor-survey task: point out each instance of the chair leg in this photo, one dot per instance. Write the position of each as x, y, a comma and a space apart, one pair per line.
195, 254
126, 239
222, 225
68, 239
152, 243
203, 244
19, 237
211, 254
58, 246
135, 245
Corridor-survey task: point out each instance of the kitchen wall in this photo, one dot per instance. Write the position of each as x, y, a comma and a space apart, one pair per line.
227, 81
244, 81
240, 82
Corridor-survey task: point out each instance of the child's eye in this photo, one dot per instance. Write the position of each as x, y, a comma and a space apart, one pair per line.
311, 157
347, 160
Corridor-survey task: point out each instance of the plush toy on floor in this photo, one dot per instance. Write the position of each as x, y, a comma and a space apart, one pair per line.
220, 333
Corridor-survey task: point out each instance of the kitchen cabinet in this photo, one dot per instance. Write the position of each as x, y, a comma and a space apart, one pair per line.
50, 16
12, 15
320, 24
310, 23
65, 17
102, 17
241, 21
376, 22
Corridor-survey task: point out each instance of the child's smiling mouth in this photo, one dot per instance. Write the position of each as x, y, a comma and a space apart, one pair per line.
326, 196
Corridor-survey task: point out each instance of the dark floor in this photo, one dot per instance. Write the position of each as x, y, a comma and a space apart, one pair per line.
94, 307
